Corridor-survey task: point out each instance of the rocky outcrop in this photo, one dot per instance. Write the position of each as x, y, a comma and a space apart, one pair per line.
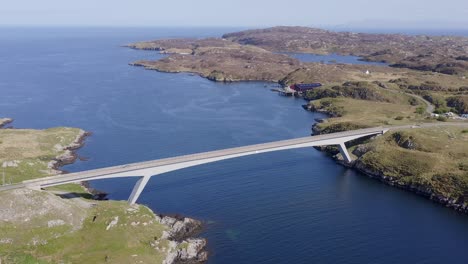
192, 253
69, 155
5, 121
183, 248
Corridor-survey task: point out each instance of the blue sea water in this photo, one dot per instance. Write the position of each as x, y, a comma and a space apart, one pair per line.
294, 206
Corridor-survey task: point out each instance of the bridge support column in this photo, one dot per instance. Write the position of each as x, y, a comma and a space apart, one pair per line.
344, 152
138, 188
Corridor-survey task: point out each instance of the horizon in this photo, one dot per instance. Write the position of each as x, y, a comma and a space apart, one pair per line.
456, 32
418, 14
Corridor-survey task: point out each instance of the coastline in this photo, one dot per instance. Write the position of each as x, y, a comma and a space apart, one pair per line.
5, 121
218, 77
418, 189
414, 188
70, 155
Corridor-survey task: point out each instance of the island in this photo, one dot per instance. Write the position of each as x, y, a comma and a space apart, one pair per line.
424, 81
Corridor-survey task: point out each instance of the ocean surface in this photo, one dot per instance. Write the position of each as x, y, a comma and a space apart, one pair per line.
295, 206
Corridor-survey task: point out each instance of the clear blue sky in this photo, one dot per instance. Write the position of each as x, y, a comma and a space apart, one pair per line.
250, 13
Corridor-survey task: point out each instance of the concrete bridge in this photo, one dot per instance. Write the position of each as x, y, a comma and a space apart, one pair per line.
145, 170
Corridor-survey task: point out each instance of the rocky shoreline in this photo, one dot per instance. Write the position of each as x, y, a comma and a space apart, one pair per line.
415, 188
5, 121
183, 248
69, 156
379, 175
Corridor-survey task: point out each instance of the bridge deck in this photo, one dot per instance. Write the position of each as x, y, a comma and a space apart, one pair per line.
84, 175
90, 174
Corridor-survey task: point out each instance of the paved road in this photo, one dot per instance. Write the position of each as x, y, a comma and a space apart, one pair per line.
89, 175
429, 107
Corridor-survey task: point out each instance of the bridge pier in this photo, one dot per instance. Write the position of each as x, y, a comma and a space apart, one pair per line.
344, 152
138, 188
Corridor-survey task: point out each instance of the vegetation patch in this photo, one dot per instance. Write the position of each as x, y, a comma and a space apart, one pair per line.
25, 153
459, 103
109, 231
435, 159
354, 90
363, 113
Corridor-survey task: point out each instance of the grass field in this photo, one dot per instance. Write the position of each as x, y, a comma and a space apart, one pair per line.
82, 234
436, 158
367, 113
27, 152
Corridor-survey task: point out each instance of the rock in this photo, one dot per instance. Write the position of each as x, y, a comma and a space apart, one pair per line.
113, 223
193, 252
6, 241
182, 249
5, 121
194, 248
409, 144
361, 150
180, 229
12, 163
53, 223
321, 120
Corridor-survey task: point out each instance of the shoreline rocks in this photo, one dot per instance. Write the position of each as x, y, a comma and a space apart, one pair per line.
415, 188
5, 121
69, 156
184, 249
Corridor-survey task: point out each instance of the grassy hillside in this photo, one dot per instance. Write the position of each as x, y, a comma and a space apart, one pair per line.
43, 227
435, 159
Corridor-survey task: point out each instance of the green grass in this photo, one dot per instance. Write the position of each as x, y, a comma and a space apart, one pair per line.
363, 113
20, 258
124, 243
33, 149
117, 244
437, 161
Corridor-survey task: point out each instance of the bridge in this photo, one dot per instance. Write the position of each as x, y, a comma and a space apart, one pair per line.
145, 170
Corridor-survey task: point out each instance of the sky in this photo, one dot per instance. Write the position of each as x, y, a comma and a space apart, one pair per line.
236, 13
